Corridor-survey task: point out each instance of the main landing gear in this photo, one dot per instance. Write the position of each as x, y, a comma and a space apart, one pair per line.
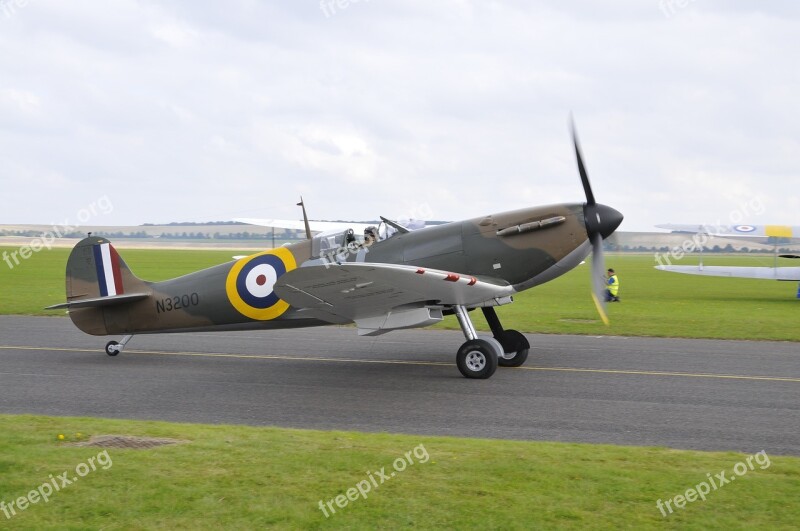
479, 358
113, 348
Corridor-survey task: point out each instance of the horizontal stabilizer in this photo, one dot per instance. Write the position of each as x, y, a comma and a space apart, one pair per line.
99, 301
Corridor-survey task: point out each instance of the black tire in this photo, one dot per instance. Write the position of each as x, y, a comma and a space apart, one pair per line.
516, 345
477, 359
109, 350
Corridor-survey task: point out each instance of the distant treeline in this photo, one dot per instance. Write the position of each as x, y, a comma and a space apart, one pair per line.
245, 235
283, 235
38, 233
192, 223
207, 223
288, 234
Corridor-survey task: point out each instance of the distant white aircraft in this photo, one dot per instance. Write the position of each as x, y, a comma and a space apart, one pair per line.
786, 234
329, 226
385, 229
332, 230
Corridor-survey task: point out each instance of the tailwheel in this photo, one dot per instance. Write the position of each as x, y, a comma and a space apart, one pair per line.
516, 348
112, 348
477, 358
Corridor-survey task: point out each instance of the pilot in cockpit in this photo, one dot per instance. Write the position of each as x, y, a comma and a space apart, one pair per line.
349, 237
370, 235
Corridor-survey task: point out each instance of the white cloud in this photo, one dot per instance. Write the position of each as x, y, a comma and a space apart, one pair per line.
176, 35
196, 111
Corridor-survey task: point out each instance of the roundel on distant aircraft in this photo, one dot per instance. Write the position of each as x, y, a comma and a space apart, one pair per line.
744, 228
251, 280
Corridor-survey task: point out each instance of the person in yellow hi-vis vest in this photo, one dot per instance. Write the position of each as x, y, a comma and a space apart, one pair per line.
612, 291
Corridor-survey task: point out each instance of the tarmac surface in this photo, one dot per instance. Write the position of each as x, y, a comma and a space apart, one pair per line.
691, 394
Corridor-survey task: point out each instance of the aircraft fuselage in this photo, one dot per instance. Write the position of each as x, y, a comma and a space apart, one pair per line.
522, 248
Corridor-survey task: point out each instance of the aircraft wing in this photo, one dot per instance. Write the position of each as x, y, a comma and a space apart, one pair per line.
316, 226
382, 297
757, 231
769, 273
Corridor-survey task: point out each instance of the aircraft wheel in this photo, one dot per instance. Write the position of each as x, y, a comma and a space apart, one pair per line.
111, 349
477, 358
516, 346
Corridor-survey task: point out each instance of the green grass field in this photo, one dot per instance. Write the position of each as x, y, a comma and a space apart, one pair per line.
654, 303
244, 478
248, 478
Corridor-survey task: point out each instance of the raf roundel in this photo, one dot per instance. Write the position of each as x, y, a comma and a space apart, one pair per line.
251, 281
744, 228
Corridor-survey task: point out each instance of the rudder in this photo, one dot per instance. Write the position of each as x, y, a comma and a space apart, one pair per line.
100, 285
95, 269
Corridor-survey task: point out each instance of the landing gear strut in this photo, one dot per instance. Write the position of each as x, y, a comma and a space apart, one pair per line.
515, 345
113, 348
477, 358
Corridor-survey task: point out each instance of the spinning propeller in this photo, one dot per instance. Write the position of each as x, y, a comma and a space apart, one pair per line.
601, 221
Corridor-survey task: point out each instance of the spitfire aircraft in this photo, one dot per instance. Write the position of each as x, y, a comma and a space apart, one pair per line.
775, 234
380, 281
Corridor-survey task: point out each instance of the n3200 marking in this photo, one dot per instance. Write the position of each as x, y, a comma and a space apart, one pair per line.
177, 302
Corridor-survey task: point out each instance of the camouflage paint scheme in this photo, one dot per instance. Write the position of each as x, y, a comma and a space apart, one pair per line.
213, 299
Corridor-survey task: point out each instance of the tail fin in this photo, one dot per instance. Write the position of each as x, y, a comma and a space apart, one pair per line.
98, 276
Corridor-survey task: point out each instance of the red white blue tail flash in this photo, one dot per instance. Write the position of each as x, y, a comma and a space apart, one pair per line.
109, 277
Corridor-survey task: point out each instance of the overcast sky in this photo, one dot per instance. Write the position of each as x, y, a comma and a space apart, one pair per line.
195, 111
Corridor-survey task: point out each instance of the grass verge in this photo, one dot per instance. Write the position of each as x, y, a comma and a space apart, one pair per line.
245, 477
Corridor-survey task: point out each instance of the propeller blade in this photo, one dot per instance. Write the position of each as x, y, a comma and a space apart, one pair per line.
601, 221
598, 277
587, 187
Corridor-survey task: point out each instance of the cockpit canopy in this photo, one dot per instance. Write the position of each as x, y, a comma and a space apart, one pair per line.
335, 244
332, 241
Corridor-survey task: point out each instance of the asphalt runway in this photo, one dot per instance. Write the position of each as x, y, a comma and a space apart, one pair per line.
693, 394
